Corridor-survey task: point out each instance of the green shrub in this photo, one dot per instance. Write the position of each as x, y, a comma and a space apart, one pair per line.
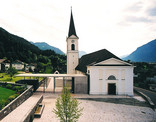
16, 88
12, 97
67, 108
9, 86
2, 104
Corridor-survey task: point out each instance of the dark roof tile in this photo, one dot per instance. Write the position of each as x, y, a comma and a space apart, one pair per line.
94, 57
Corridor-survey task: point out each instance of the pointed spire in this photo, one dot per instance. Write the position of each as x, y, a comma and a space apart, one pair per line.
72, 30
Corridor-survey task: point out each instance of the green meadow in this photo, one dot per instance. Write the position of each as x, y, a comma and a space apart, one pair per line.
5, 93
4, 77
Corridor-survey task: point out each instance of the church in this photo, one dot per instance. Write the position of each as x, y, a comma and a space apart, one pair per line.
106, 74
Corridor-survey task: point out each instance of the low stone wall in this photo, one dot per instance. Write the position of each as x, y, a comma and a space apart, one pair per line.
16, 102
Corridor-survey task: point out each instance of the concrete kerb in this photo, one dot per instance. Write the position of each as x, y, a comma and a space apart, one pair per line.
148, 100
30, 114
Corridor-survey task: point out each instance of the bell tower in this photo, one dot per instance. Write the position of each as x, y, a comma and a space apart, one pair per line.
72, 48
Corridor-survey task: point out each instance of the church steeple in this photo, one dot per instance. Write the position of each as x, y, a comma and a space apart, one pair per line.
72, 30
72, 48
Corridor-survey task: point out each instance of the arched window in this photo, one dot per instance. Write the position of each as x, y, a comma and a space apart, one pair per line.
73, 47
111, 77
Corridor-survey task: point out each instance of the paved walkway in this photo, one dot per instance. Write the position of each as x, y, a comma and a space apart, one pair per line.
50, 87
95, 111
150, 94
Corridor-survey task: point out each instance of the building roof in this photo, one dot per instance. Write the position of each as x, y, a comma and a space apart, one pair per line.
17, 62
93, 58
72, 30
2, 60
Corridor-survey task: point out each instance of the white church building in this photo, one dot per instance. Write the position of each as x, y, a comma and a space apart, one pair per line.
105, 73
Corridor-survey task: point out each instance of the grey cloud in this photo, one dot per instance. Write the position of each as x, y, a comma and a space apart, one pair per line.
151, 11
135, 7
137, 19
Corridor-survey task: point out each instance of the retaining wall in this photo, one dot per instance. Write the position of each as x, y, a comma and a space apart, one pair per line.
16, 102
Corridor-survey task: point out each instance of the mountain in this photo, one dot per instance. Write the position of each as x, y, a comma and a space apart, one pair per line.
145, 53
16, 48
81, 53
45, 46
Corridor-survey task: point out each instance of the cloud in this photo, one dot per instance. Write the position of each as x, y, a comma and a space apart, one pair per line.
135, 7
151, 11
137, 19
143, 12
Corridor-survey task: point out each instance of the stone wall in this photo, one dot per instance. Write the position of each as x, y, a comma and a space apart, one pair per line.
81, 85
16, 102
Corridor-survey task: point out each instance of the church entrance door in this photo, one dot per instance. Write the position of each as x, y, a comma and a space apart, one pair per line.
111, 88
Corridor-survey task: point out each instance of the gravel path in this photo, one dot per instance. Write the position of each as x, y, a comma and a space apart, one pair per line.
95, 111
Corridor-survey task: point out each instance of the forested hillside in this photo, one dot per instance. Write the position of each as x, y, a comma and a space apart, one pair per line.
45, 46
13, 48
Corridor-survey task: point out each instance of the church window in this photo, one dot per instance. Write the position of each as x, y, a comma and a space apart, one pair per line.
72, 47
111, 77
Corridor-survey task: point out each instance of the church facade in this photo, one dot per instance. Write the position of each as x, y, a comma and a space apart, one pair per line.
107, 74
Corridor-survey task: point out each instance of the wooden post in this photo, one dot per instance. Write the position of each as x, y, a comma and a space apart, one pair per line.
88, 84
46, 81
73, 84
44, 86
54, 84
63, 82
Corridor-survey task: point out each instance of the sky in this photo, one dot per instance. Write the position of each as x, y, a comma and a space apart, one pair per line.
119, 26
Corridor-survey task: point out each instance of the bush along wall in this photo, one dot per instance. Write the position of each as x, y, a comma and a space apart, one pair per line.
33, 82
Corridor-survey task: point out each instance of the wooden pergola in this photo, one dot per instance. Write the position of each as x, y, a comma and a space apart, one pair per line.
54, 76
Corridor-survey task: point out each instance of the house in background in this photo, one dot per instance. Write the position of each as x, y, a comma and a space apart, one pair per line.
4, 64
1, 64
152, 87
30, 66
151, 79
19, 65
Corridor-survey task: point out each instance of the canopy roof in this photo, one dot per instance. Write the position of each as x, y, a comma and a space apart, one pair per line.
50, 75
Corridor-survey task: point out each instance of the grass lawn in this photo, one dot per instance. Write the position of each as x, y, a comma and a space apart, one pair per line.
7, 78
5, 93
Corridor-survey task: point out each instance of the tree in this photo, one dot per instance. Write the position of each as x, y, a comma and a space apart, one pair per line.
11, 71
67, 109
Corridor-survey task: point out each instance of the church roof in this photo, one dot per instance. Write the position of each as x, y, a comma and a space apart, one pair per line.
72, 30
94, 58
